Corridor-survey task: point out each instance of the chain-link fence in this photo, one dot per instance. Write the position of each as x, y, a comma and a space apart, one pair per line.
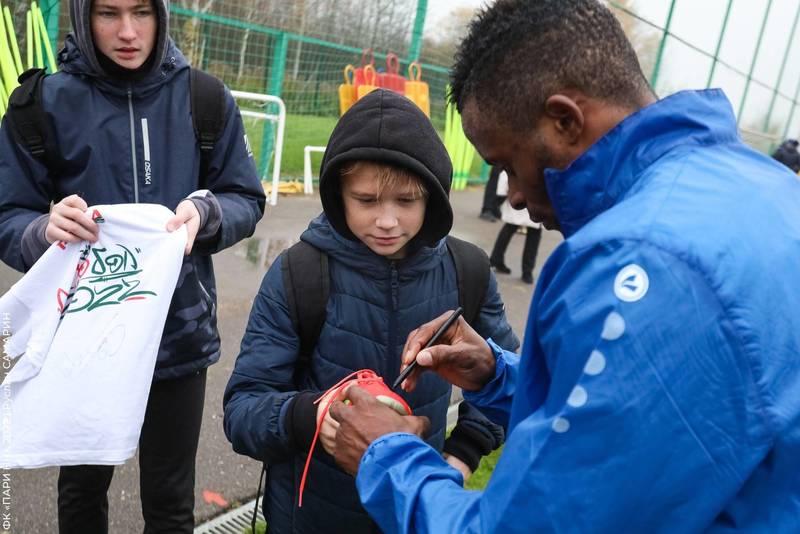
297, 49
749, 48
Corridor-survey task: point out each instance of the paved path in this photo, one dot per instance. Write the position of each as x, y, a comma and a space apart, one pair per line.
239, 271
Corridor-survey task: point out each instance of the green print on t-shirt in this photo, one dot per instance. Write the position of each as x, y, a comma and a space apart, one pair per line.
113, 277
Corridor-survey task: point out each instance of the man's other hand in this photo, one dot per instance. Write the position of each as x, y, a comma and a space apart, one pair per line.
463, 357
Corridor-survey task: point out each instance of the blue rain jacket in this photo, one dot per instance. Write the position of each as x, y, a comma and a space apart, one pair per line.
659, 384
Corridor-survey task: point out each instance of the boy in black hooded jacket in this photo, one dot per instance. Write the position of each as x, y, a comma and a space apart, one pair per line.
384, 187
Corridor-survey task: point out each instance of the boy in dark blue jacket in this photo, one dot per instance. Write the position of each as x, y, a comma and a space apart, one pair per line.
384, 187
119, 130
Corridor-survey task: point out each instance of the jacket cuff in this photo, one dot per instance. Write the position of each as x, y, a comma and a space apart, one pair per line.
300, 422
210, 214
468, 445
34, 243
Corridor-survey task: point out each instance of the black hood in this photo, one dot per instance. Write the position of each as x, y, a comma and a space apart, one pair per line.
386, 127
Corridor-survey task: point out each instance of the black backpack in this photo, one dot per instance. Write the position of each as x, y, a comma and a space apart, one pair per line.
306, 281
26, 115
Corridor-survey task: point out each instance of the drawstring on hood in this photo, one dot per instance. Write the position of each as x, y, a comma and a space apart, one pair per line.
80, 12
386, 127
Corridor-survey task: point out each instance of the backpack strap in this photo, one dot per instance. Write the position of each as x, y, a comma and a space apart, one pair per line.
306, 280
472, 272
26, 114
208, 114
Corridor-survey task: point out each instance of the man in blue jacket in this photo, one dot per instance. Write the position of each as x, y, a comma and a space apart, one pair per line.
657, 389
119, 130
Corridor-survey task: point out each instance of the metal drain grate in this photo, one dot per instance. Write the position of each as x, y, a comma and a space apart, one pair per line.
233, 522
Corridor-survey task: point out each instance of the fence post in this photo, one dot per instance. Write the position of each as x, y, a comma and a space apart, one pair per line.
662, 44
277, 69
416, 34
780, 75
719, 43
51, 15
753, 63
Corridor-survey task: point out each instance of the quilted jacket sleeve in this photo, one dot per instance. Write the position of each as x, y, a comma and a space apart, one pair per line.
262, 381
233, 180
25, 195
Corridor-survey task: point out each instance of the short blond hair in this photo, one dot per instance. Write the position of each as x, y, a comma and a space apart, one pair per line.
387, 176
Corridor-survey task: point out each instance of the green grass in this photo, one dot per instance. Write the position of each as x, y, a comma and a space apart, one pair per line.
261, 528
302, 131
480, 478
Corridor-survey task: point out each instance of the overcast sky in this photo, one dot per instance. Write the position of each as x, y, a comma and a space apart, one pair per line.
437, 10
699, 22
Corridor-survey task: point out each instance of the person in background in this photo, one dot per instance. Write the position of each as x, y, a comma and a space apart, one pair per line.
490, 210
515, 219
788, 155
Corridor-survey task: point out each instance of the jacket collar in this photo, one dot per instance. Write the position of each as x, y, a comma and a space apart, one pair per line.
72, 61
606, 172
360, 258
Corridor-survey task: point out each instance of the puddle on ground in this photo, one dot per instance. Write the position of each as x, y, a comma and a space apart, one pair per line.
261, 253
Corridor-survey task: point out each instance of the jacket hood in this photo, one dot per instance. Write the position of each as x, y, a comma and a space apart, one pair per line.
71, 60
386, 127
80, 17
358, 257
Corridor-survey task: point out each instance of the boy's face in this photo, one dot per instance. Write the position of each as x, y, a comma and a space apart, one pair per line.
384, 223
124, 30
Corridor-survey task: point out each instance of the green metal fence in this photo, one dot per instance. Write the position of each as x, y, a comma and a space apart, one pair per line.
749, 48
297, 49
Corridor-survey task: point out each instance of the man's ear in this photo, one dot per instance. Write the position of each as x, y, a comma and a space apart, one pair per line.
568, 119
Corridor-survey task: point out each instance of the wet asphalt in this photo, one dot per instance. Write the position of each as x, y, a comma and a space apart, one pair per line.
224, 478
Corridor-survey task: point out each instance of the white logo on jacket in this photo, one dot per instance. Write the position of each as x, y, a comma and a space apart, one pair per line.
631, 283
148, 169
247, 146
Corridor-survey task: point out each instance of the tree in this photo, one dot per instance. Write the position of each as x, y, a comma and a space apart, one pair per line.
441, 45
193, 43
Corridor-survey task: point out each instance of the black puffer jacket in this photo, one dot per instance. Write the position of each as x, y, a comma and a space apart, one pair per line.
374, 303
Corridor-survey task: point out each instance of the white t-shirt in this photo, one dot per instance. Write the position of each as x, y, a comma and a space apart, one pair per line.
79, 392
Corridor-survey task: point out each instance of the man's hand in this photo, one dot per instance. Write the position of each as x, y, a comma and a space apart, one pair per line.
186, 213
466, 472
69, 223
463, 357
365, 420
